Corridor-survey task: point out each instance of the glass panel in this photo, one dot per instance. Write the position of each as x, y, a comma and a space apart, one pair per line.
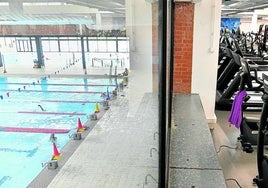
45, 45
26, 46
111, 46
123, 46
2, 42
7, 42
73, 46
54, 45
102, 46
79, 45
33, 44
18, 43
93, 46
64, 46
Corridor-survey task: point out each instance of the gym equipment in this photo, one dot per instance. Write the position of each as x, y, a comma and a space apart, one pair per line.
228, 82
249, 126
262, 160
226, 91
225, 56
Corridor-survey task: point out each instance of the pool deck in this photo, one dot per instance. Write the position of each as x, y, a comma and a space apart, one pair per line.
74, 69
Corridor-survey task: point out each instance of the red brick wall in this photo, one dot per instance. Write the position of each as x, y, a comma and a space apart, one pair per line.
183, 44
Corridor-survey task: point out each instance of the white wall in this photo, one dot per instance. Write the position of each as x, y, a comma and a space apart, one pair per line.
245, 25
207, 17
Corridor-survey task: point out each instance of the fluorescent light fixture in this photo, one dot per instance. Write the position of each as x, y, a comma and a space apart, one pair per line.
106, 12
243, 13
42, 4
4, 4
234, 4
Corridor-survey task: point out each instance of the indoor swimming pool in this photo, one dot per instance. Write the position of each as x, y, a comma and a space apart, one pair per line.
52, 103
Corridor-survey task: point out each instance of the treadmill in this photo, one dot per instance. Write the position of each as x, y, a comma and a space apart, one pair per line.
262, 159
250, 125
226, 91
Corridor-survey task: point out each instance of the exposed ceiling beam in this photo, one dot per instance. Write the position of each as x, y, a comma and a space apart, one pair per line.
235, 7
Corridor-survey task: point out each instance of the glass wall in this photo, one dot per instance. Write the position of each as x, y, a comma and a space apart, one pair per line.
104, 39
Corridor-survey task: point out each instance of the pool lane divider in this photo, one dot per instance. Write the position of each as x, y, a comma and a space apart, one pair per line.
34, 130
17, 83
69, 101
52, 113
57, 91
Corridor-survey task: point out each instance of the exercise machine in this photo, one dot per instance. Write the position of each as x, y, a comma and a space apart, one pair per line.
262, 160
249, 126
242, 78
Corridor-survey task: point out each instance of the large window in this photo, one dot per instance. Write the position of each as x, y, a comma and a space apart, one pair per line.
24, 45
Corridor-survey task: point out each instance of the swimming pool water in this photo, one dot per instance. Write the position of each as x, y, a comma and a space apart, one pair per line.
22, 154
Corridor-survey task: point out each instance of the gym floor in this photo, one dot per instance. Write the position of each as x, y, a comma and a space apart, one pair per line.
239, 167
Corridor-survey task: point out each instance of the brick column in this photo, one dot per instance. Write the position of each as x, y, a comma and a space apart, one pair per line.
183, 47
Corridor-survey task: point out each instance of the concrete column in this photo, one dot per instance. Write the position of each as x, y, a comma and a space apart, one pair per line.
139, 30
98, 21
130, 6
207, 17
39, 51
254, 22
83, 55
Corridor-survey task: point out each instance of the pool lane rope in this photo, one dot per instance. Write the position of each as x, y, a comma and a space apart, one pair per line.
57, 84
56, 91
34, 130
48, 76
52, 113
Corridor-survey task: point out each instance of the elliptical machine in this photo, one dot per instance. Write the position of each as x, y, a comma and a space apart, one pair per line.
262, 160
250, 125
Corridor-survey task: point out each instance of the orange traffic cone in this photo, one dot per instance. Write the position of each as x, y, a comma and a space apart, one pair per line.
80, 128
97, 109
56, 154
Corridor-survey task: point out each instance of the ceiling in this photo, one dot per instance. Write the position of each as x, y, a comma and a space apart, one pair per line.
39, 12
90, 12
244, 8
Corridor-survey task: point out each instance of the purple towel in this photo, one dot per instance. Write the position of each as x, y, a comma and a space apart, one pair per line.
235, 117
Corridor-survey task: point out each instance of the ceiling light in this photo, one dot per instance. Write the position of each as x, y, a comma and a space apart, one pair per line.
245, 13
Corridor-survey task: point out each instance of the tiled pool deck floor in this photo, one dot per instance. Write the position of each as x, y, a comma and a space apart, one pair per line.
117, 151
